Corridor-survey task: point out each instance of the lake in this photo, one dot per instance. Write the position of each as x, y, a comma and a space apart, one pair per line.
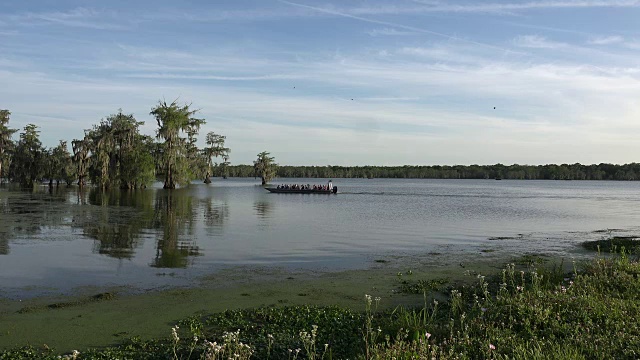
56, 241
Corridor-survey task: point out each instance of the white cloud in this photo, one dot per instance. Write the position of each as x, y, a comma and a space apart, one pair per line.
634, 45
606, 40
420, 107
495, 8
426, 101
537, 42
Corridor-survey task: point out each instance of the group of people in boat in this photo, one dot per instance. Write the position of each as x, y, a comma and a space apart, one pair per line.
327, 187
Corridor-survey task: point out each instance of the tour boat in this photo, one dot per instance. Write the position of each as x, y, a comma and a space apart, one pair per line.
303, 191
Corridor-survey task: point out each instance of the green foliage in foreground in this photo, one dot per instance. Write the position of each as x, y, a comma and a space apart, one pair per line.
543, 314
610, 244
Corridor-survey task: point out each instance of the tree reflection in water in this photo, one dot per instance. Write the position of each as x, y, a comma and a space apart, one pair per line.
216, 214
28, 212
263, 209
4, 228
119, 221
174, 214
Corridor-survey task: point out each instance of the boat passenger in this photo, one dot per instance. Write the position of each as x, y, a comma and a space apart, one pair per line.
330, 185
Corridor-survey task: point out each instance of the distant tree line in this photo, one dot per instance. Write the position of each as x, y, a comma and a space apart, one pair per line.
497, 171
113, 154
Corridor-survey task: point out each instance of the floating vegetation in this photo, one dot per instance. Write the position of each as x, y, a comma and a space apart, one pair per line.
531, 259
542, 313
104, 296
606, 231
61, 305
381, 261
502, 238
614, 244
421, 286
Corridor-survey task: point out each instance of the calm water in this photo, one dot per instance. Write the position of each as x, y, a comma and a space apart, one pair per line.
65, 239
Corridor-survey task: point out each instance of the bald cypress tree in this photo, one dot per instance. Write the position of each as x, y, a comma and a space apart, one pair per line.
265, 167
28, 162
176, 153
215, 148
6, 144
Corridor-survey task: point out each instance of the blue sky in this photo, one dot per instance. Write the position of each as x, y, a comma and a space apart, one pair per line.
341, 82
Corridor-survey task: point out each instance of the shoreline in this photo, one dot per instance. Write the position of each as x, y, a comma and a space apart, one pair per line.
98, 317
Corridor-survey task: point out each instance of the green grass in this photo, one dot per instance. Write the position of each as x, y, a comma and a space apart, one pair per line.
545, 313
614, 244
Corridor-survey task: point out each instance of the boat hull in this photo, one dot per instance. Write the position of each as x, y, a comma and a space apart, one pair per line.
302, 191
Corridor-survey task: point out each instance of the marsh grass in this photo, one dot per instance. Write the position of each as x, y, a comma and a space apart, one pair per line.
530, 313
410, 286
613, 244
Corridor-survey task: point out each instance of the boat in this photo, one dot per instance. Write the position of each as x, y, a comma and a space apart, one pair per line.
303, 191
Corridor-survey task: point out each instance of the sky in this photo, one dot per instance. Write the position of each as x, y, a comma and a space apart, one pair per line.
404, 82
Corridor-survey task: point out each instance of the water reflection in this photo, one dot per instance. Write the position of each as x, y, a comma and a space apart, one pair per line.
263, 209
27, 213
216, 213
119, 221
4, 231
174, 216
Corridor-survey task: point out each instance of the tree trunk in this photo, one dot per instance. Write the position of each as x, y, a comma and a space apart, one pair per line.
167, 179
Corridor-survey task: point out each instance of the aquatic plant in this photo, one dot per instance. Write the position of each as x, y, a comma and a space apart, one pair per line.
541, 313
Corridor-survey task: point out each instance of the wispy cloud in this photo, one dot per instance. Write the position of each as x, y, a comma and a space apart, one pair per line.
400, 89
497, 8
212, 77
631, 44
506, 8
78, 17
331, 11
537, 42
208, 16
389, 32
606, 40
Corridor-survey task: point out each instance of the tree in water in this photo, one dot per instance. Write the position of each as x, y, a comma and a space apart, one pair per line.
28, 161
137, 166
215, 148
61, 165
81, 152
176, 153
120, 155
265, 167
48, 165
6, 144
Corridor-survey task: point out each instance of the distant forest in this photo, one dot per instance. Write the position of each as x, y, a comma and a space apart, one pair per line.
114, 154
497, 171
